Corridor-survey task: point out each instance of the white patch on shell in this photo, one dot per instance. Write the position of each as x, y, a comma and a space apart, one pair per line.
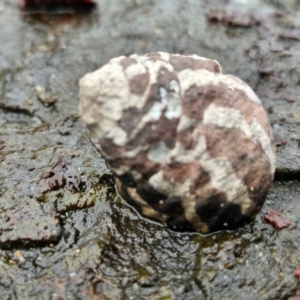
121, 170
153, 65
188, 78
185, 123
146, 209
174, 85
164, 55
171, 188
172, 103
259, 134
134, 70
136, 100
163, 95
154, 114
160, 184
134, 152
108, 89
136, 175
195, 56
203, 77
191, 215
180, 154
117, 60
232, 118
118, 136
158, 152
223, 178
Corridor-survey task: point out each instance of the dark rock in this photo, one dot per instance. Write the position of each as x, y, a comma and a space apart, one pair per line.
23, 223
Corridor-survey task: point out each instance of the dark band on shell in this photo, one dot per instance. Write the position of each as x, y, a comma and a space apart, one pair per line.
190, 146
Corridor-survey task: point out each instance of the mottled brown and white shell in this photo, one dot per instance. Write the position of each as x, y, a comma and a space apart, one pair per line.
189, 146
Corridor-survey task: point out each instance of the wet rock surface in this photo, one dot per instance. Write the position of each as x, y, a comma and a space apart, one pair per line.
90, 244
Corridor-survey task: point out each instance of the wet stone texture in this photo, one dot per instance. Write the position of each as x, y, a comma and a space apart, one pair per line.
56, 244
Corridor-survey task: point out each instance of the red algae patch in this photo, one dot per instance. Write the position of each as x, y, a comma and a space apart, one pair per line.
59, 177
274, 218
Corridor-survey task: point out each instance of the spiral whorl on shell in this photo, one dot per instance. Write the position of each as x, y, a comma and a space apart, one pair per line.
189, 146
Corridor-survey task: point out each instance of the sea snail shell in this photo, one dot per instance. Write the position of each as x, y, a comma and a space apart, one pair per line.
189, 146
